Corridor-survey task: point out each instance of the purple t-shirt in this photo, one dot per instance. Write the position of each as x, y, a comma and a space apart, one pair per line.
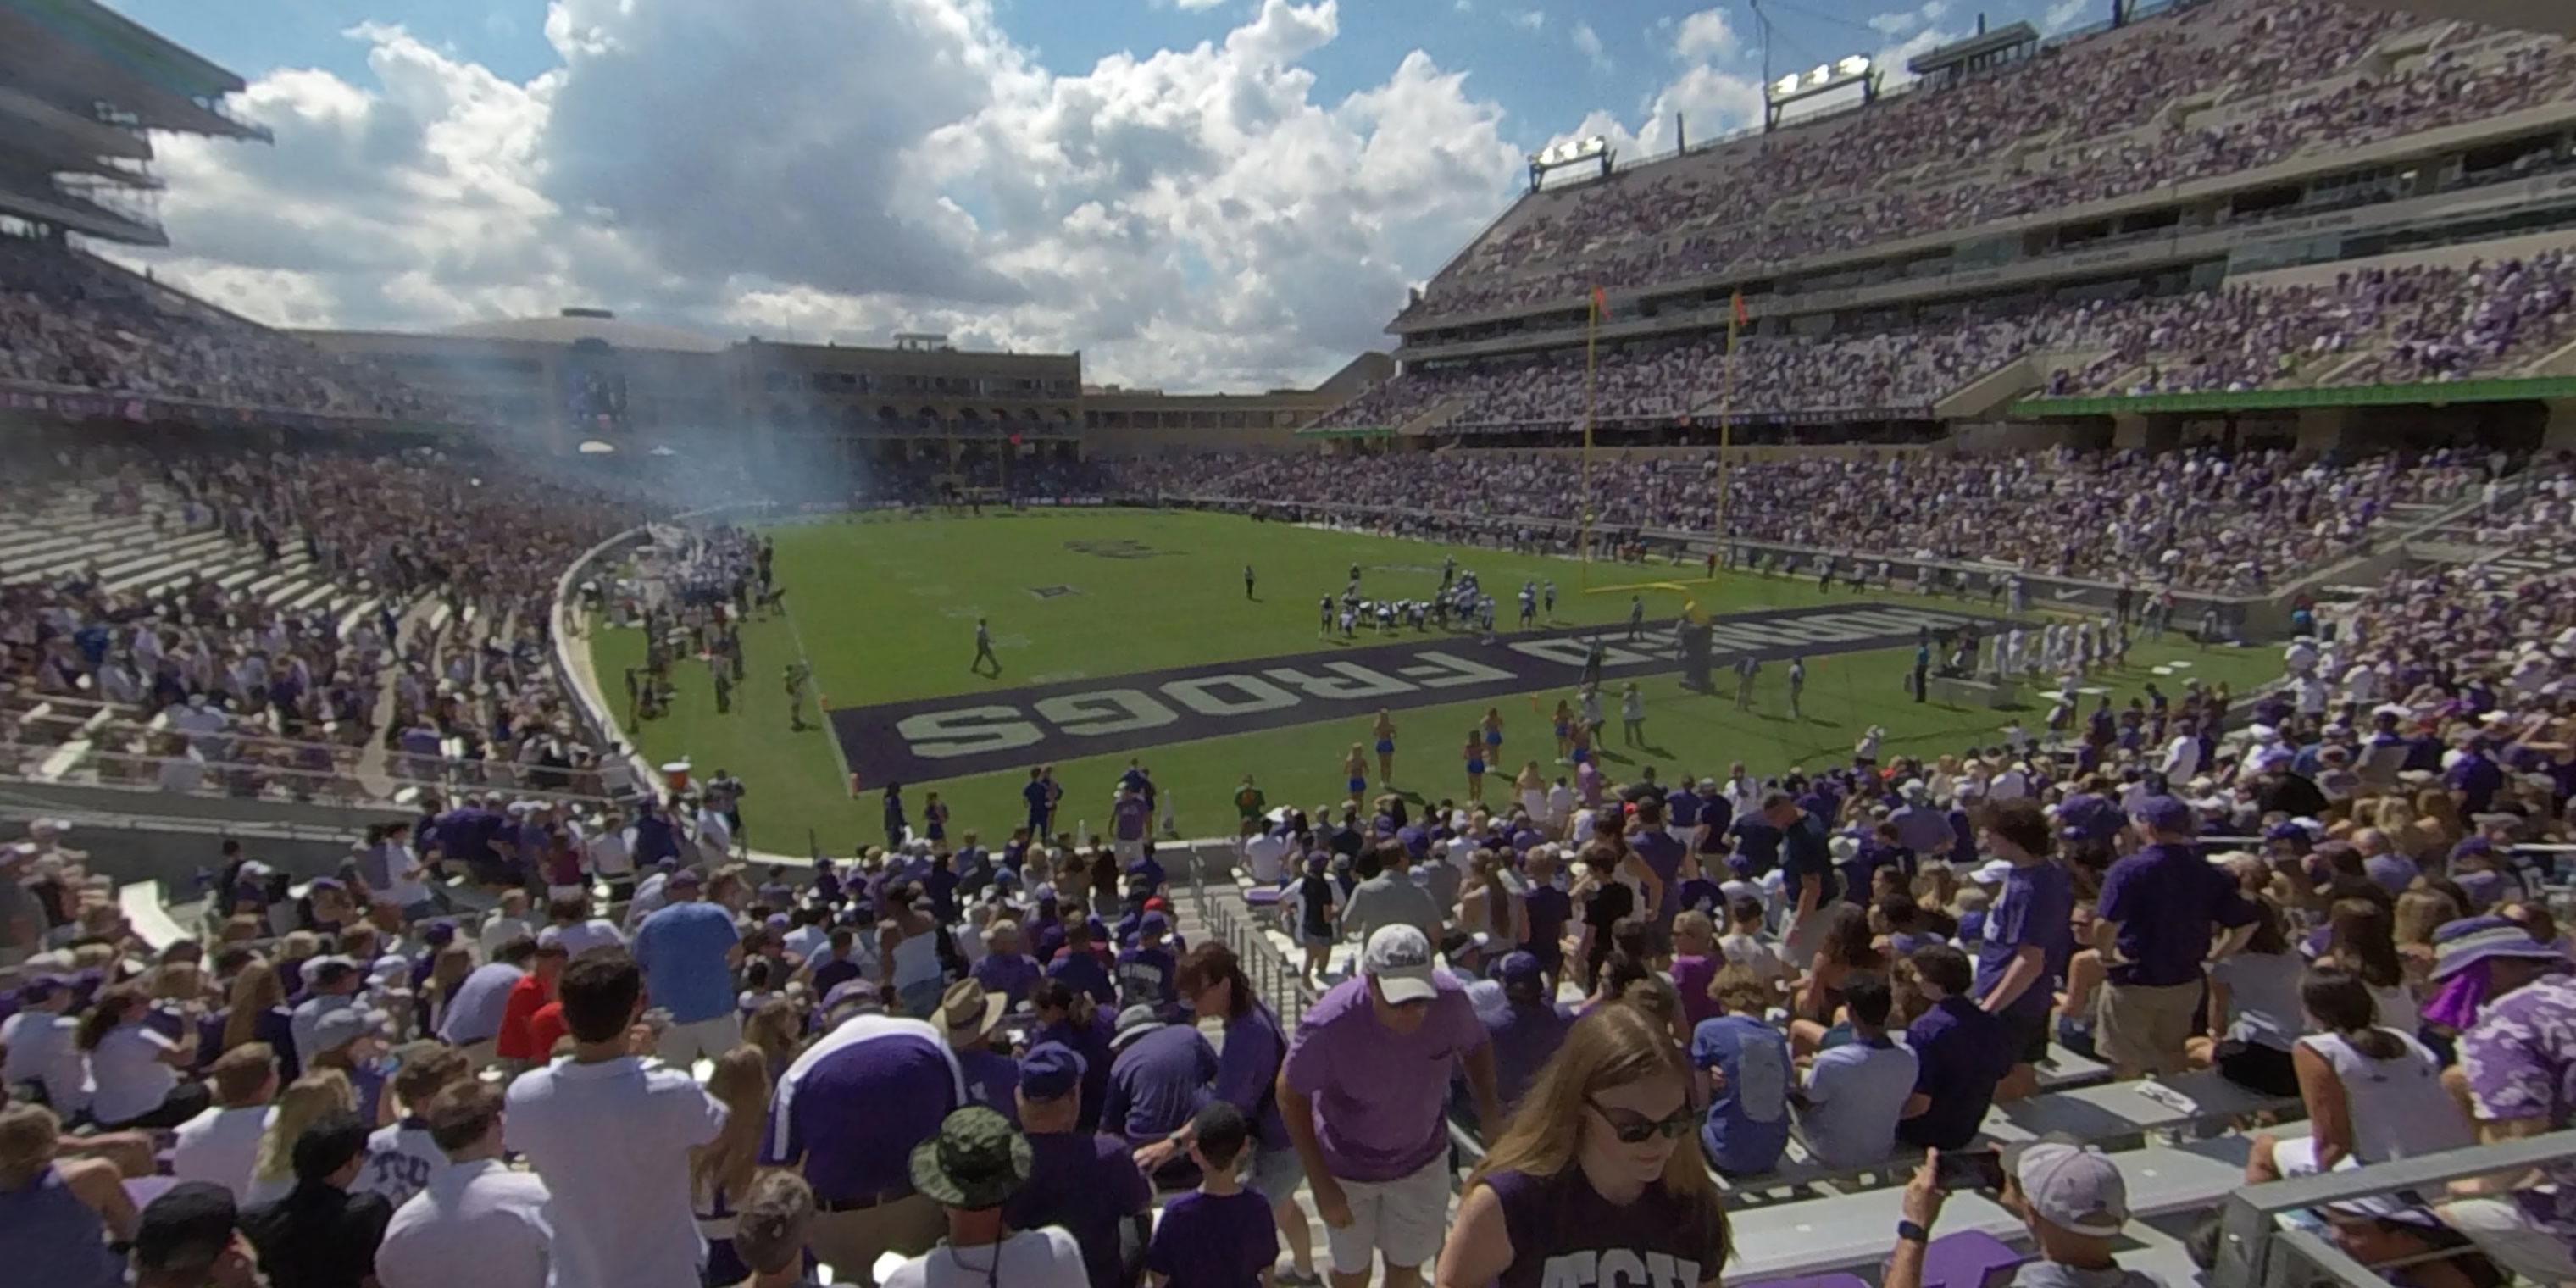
1087, 1184
992, 1080
1214, 1240
1960, 1053
2034, 909
854, 1104
1663, 856
1157, 1082
1147, 977
1523, 1038
2520, 1061
1564, 1232
1012, 977
1129, 817
1548, 909
1247, 1072
1691, 975
2165, 899
1377, 1094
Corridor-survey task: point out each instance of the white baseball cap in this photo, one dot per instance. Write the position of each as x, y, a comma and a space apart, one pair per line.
2073, 1187
1399, 959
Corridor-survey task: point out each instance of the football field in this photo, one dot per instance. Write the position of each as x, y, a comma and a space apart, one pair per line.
1128, 634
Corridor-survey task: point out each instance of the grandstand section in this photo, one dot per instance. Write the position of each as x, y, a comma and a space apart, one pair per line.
81, 89
2219, 198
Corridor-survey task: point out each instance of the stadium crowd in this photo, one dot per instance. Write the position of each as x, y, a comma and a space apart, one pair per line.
2292, 77
2191, 520
2367, 326
71, 321
651, 1062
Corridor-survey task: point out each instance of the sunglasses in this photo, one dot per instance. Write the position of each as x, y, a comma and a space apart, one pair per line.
1635, 1129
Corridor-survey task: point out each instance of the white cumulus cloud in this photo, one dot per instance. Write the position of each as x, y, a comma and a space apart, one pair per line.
1589, 41
1705, 34
811, 169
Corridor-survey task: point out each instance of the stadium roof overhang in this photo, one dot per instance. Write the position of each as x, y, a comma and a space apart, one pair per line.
73, 214
84, 53
2555, 16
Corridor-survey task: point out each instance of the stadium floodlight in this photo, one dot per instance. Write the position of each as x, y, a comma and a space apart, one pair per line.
1824, 78
1590, 151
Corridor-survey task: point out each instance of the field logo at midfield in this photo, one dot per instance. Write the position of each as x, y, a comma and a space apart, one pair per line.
978, 733
1052, 592
1122, 548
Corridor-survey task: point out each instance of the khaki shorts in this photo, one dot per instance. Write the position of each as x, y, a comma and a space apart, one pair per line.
2146, 1026
1402, 1219
852, 1243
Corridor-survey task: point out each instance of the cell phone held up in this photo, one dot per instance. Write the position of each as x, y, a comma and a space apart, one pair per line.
1969, 1169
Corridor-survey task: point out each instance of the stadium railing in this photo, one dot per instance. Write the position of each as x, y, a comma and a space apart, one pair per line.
2256, 1251
595, 564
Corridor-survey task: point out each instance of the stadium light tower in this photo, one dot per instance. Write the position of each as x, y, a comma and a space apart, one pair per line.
1595, 150
1824, 78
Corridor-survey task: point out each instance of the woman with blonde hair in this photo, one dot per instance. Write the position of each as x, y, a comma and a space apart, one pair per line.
778, 1029
1488, 904
2420, 912
1594, 1165
304, 1102
447, 972
2436, 829
256, 1012
720, 1172
58, 1214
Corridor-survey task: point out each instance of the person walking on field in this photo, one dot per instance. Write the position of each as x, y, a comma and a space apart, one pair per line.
984, 650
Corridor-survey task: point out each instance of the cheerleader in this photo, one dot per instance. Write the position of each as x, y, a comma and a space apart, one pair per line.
1384, 731
1475, 756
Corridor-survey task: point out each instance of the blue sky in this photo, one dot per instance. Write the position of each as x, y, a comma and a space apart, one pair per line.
1198, 193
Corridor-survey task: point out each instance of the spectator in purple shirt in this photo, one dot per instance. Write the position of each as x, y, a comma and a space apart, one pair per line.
1146, 972
847, 1114
1247, 1078
2028, 940
2518, 1061
1078, 964
1362, 1093
1525, 1030
1084, 1182
1157, 1079
2154, 926
1130, 817
972, 1015
1007, 969
1960, 1055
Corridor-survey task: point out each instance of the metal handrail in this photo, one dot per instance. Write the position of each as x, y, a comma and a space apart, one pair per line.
2255, 1250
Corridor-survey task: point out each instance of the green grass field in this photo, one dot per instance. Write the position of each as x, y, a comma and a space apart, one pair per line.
886, 610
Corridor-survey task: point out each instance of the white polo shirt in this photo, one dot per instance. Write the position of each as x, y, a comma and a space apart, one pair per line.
477, 1223
220, 1145
612, 1141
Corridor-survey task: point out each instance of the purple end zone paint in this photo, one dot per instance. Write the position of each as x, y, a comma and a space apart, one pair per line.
975, 733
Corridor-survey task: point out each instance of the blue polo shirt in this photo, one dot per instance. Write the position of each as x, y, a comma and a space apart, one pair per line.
1960, 1054
852, 1107
682, 950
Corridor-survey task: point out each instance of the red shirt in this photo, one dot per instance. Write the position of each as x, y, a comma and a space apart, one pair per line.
515, 1041
545, 1029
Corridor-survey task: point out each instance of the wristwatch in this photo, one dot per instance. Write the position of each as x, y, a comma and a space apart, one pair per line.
1909, 1232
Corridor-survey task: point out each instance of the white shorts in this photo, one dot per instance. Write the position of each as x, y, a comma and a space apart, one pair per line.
685, 1044
1402, 1219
